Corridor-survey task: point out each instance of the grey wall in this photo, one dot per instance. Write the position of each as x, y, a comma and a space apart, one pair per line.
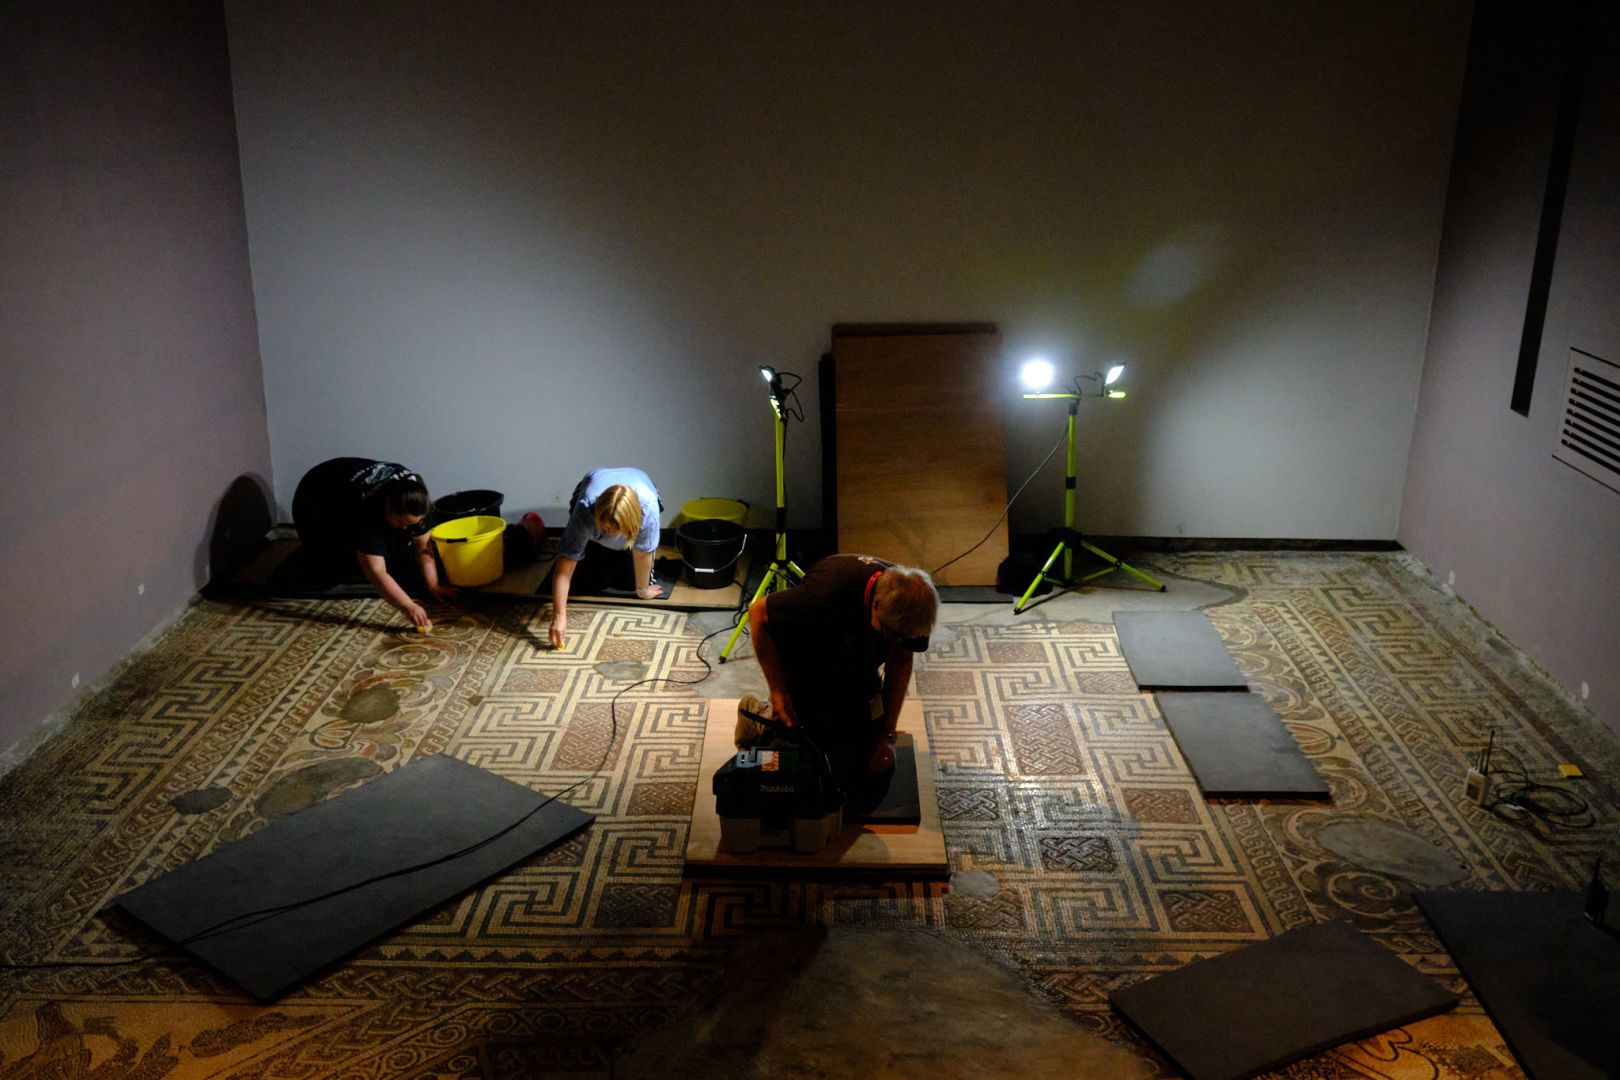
130, 388
1533, 544
505, 242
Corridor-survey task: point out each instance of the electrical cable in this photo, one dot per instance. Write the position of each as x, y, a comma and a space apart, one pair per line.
1538, 799
253, 918
1005, 510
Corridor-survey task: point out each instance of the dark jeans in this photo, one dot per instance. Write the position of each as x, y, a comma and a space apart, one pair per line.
842, 726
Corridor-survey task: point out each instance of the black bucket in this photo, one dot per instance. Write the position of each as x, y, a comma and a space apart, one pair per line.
710, 549
460, 504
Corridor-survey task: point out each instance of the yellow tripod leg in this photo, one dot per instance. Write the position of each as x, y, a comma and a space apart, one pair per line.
1040, 575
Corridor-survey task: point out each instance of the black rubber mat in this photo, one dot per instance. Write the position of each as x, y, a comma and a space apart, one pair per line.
1549, 979
665, 571
1176, 650
1237, 746
899, 805
428, 809
1262, 1006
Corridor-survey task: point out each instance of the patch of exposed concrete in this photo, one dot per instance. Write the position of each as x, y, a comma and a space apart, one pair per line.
201, 801
314, 783
877, 1003
707, 622
740, 675
1386, 848
626, 671
975, 884
1097, 601
372, 705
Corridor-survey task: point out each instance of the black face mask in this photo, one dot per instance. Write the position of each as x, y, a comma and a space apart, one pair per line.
910, 644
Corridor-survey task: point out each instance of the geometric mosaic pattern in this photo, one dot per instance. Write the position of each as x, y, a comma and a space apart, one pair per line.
1054, 775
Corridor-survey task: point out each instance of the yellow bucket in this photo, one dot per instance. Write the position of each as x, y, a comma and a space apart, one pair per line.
471, 548
714, 510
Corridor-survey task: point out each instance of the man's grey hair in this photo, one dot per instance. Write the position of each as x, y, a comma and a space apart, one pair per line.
910, 601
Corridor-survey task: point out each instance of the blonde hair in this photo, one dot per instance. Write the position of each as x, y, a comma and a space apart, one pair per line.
907, 601
618, 507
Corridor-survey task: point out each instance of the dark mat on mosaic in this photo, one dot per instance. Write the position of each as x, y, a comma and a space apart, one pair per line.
1262, 1006
1547, 976
274, 908
1237, 747
1176, 650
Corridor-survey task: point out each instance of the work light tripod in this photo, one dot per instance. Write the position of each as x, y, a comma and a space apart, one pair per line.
783, 571
1069, 538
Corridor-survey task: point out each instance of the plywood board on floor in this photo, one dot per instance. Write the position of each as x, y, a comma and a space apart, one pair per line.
893, 850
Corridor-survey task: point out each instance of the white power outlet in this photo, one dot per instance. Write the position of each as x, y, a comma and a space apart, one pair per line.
1586, 691
75, 680
1451, 578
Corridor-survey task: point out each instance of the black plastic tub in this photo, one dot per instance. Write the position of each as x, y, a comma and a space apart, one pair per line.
475, 503
710, 549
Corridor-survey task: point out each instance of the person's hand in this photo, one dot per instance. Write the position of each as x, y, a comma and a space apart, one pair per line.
559, 631
418, 615
782, 709
882, 756
442, 593
651, 591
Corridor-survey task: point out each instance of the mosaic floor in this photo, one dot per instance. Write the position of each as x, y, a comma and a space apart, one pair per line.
1085, 857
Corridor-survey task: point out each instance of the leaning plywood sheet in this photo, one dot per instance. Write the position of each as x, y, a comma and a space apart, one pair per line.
898, 850
1549, 978
919, 462
1262, 1006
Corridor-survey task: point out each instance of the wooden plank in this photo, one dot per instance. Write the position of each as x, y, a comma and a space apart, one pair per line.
894, 850
920, 463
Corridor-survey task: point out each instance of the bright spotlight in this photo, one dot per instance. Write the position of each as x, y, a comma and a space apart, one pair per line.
769, 373
1037, 374
1113, 375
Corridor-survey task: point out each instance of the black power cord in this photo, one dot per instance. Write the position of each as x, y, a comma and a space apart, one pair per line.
1517, 794
1005, 510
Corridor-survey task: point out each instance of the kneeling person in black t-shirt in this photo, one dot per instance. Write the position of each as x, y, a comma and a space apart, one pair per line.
837, 651
350, 510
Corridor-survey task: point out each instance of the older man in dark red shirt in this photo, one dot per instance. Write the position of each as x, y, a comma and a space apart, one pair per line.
837, 653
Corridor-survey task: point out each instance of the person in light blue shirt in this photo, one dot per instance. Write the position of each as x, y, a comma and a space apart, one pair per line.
612, 509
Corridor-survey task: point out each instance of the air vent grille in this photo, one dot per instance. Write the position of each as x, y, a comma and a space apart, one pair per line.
1589, 435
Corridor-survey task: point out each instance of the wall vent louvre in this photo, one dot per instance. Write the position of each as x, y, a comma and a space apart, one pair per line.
1589, 433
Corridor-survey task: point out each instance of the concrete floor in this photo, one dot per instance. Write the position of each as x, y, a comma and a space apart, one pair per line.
840, 1002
